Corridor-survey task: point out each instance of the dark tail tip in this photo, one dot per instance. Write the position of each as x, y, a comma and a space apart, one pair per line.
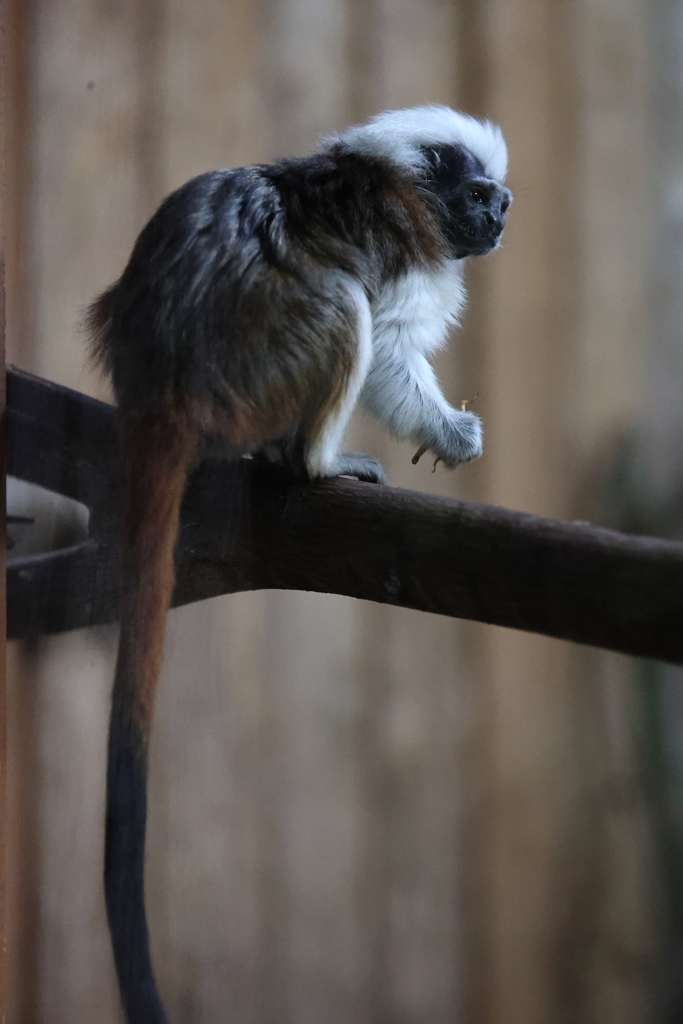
124, 862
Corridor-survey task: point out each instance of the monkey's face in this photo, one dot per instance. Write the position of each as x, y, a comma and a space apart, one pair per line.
472, 206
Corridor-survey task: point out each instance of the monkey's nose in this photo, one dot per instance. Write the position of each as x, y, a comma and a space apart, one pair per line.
494, 222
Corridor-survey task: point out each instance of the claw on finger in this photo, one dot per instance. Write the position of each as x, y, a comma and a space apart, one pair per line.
437, 459
418, 454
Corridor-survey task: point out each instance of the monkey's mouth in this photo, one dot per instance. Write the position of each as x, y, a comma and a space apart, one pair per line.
481, 234
475, 243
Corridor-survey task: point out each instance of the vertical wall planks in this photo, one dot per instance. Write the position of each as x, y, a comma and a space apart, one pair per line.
360, 815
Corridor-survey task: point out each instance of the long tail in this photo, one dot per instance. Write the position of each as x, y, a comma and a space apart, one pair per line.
159, 451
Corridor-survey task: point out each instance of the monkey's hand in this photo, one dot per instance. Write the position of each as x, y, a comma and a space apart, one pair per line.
455, 439
360, 465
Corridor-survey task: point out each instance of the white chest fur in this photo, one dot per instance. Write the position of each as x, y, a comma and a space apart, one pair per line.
416, 311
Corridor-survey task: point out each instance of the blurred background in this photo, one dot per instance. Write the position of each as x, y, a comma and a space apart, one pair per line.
361, 814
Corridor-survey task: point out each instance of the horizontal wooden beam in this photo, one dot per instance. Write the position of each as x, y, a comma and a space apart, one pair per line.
246, 526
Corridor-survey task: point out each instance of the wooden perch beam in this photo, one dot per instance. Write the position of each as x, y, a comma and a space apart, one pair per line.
246, 526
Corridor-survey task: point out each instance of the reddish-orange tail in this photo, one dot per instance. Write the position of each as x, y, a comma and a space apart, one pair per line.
159, 451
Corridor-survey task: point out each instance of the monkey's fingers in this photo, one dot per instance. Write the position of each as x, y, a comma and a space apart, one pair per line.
437, 459
418, 454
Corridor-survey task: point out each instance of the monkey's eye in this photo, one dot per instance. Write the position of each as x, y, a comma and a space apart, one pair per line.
505, 206
477, 195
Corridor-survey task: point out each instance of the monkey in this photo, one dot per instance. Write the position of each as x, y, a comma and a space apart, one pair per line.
259, 306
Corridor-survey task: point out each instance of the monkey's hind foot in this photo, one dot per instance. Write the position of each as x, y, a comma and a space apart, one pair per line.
363, 466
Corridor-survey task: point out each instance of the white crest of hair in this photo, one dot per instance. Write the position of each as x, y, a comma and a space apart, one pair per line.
397, 135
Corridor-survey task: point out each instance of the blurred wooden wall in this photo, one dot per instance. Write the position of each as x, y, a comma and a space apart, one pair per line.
360, 815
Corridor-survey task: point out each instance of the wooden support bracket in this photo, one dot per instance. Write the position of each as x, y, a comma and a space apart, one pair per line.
246, 526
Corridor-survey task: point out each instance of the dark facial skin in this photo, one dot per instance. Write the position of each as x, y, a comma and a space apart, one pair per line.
473, 206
